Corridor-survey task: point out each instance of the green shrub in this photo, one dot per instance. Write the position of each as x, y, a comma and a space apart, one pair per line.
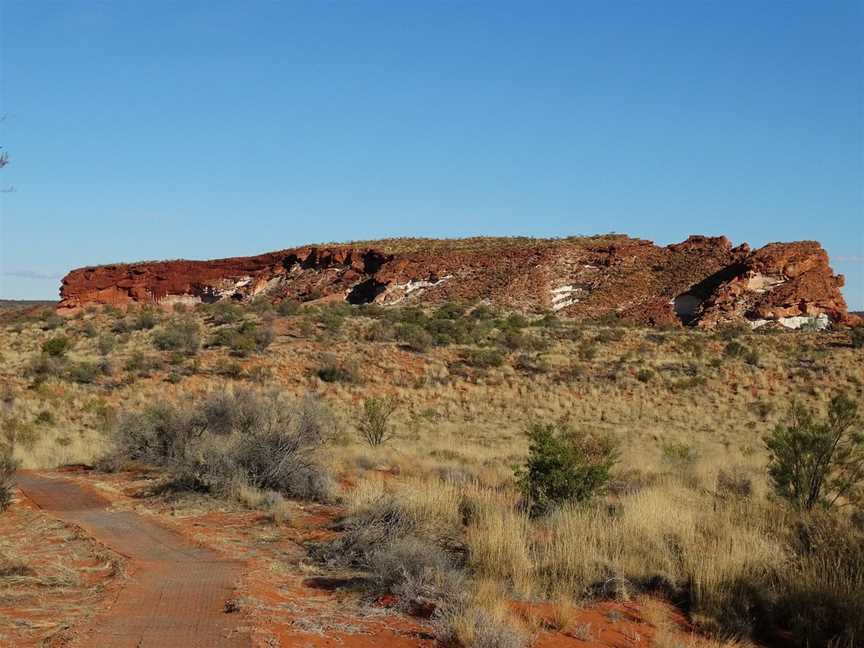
644, 375
333, 369
246, 338
225, 313
106, 343
83, 372
8, 466
56, 346
415, 337
146, 320
734, 349
818, 461
373, 420
288, 307
483, 358
51, 322
564, 465
182, 335
856, 337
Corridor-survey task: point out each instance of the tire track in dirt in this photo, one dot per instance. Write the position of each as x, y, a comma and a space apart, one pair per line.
176, 594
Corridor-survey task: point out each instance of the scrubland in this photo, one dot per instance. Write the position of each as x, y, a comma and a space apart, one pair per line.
411, 425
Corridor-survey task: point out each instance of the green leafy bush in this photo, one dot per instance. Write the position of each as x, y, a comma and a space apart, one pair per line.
856, 337
334, 369
56, 346
182, 334
564, 465
818, 460
415, 337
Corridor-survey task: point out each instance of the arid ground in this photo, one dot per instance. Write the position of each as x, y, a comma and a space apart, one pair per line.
329, 475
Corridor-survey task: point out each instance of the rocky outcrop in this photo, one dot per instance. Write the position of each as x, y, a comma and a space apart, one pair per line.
702, 281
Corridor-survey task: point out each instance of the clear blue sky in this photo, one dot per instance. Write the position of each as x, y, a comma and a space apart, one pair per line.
152, 130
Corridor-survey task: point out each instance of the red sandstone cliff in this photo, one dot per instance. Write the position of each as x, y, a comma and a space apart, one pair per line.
702, 281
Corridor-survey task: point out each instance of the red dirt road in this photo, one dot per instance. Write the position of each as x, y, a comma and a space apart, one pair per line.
177, 591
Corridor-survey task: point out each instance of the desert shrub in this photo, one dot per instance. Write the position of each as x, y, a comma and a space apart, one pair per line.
334, 369
244, 339
56, 346
259, 438
373, 420
228, 368
751, 357
288, 307
88, 330
414, 337
121, 325
106, 343
564, 465
414, 570
483, 358
83, 372
482, 312
380, 332
51, 321
145, 320
8, 466
515, 340
142, 364
532, 364
587, 351
331, 318
818, 460
41, 367
734, 349
225, 313
183, 334
644, 375
856, 337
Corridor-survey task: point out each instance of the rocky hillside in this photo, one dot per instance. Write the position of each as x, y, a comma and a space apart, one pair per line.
702, 281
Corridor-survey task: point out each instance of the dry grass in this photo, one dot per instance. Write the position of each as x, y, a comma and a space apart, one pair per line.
669, 524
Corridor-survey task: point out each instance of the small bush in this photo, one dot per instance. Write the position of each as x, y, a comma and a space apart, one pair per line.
182, 335
856, 337
373, 420
8, 466
483, 358
415, 337
564, 465
815, 460
644, 375
734, 349
244, 339
83, 372
288, 307
146, 320
56, 346
106, 343
334, 369
210, 443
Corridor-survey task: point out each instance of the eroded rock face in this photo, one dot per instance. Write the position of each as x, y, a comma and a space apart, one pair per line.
702, 281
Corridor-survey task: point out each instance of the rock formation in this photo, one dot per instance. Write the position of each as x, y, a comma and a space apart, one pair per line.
703, 281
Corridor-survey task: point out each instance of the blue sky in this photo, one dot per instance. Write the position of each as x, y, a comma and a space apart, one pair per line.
151, 130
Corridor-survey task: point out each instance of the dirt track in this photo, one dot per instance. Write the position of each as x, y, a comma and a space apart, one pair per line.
177, 591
